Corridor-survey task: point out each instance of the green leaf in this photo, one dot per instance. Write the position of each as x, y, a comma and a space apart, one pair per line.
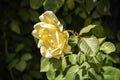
98, 31
103, 7
114, 58
85, 65
34, 15
73, 40
21, 66
12, 63
107, 47
90, 4
86, 29
19, 47
45, 64
36, 4
50, 75
64, 63
100, 57
93, 75
89, 46
88, 21
81, 58
15, 26
24, 14
59, 77
55, 63
70, 4
52, 5
95, 15
70, 75
111, 73
26, 57
72, 58
101, 40
79, 75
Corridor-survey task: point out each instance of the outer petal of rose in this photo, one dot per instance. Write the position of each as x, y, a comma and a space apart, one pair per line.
56, 53
67, 48
40, 43
45, 52
50, 18
40, 27
66, 35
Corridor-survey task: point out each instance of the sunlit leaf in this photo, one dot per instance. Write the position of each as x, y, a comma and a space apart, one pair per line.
100, 57
59, 77
72, 58
80, 58
107, 47
111, 73
64, 63
89, 46
50, 74
45, 65
79, 75
85, 65
101, 40
36, 4
70, 75
86, 29
21, 66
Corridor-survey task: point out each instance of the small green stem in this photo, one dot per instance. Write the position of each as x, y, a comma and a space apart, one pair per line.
74, 33
71, 31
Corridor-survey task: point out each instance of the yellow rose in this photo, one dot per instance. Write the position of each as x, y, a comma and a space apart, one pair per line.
52, 39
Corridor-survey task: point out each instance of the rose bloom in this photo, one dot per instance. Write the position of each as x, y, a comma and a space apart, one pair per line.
53, 41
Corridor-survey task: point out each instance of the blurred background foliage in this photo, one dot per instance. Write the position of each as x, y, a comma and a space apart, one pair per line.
19, 56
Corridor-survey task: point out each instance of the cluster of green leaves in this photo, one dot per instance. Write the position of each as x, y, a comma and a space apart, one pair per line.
18, 48
91, 59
